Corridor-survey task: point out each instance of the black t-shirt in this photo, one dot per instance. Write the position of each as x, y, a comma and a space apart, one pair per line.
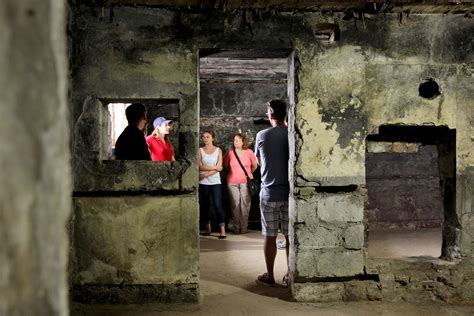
131, 145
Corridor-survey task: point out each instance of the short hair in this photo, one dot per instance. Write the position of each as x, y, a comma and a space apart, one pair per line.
134, 112
245, 140
278, 109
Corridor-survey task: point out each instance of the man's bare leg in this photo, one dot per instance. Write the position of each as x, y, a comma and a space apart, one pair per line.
270, 251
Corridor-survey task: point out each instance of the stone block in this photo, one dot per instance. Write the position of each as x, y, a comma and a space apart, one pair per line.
355, 291
318, 292
354, 237
450, 277
332, 263
467, 294
374, 292
306, 210
378, 147
316, 237
466, 243
342, 207
305, 191
392, 292
393, 147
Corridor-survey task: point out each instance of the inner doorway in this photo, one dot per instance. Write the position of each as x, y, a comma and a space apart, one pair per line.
235, 85
410, 176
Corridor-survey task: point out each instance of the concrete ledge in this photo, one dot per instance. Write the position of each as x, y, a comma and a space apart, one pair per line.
135, 293
318, 292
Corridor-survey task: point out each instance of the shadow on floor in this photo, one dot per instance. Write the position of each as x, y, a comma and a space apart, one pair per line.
234, 263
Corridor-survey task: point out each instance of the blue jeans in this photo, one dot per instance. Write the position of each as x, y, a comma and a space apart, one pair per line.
205, 193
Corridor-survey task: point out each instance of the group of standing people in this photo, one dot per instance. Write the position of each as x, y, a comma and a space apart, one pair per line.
271, 153
211, 163
133, 144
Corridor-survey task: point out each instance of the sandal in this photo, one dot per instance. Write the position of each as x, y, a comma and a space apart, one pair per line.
285, 281
222, 236
266, 280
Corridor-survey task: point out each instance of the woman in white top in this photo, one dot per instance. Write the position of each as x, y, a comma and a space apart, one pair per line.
210, 165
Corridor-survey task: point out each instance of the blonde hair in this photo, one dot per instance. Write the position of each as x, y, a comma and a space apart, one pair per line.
156, 133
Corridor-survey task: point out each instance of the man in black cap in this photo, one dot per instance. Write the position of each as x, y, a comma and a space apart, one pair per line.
131, 144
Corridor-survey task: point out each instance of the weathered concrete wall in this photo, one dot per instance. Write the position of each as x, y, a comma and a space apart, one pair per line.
328, 235
35, 177
403, 185
130, 243
344, 91
128, 61
227, 108
383, 66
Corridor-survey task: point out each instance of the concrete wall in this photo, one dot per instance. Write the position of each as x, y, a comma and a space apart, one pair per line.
35, 178
403, 185
344, 91
133, 243
125, 63
227, 108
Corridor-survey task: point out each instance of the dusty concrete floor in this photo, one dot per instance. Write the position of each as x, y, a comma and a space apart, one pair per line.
399, 243
228, 271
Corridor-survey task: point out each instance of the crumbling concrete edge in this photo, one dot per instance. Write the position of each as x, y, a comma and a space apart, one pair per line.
135, 293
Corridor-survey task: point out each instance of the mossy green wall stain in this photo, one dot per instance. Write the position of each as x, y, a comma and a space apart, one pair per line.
356, 91
327, 100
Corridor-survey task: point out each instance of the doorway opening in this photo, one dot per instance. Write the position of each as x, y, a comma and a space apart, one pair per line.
235, 86
410, 176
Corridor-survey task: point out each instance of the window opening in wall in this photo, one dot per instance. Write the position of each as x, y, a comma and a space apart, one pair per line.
115, 121
234, 88
118, 122
410, 176
328, 32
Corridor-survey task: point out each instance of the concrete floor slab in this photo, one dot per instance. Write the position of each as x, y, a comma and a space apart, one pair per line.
228, 271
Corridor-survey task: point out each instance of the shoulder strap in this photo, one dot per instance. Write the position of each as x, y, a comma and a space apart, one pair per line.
240, 163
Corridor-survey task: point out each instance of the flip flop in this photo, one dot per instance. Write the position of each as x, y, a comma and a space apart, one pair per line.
222, 237
266, 280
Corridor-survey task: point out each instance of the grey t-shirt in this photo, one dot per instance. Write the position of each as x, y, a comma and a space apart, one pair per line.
272, 152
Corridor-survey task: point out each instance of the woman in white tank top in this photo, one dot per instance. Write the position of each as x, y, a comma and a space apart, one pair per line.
210, 165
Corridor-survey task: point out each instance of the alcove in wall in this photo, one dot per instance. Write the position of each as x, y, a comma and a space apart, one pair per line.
410, 176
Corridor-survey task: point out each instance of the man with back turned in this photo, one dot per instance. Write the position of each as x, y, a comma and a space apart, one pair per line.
131, 144
272, 151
